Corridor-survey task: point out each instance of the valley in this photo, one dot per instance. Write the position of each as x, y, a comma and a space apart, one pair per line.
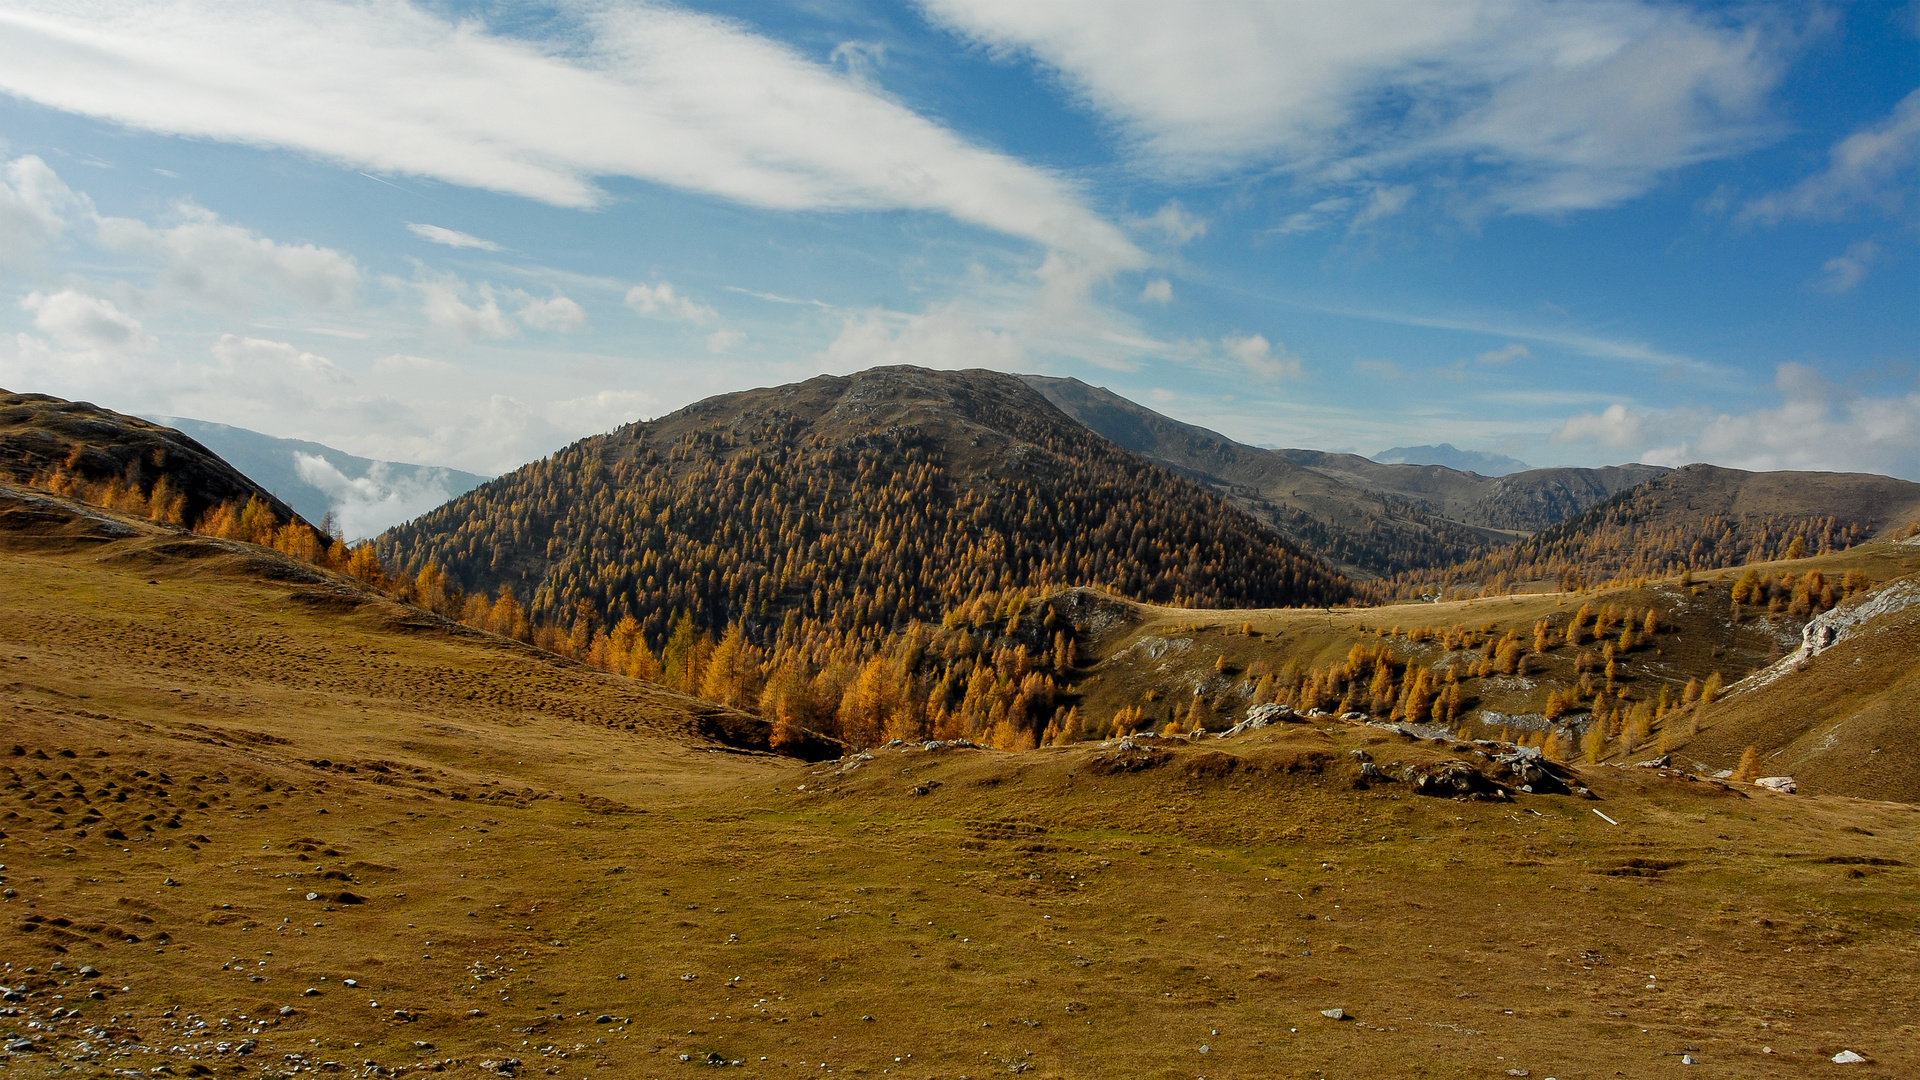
522, 864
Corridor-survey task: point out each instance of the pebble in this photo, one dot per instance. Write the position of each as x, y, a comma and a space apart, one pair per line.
1847, 1057
1334, 1014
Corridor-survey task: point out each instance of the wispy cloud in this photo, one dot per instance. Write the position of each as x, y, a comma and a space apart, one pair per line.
1549, 107
698, 103
452, 238
1874, 167
1842, 272
1635, 352
662, 300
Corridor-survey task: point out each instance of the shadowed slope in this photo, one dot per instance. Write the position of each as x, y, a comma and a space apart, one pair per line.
41, 434
1370, 518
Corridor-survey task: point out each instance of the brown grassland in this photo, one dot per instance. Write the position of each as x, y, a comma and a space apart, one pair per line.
515, 858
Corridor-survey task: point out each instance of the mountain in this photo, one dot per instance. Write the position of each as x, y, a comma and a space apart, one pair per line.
1452, 457
364, 495
74, 445
876, 539
1369, 519
1696, 518
900, 490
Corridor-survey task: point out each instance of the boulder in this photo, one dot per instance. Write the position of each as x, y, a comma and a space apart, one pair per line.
1260, 716
1782, 784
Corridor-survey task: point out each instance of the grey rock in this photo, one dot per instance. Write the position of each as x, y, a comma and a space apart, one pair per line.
1334, 1014
1782, 784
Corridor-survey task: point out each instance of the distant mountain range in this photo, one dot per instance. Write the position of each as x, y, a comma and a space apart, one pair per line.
366, 496
1370, 520
1450, 456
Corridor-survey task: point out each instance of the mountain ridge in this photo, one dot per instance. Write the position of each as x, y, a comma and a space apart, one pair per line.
365, 495
1375, 520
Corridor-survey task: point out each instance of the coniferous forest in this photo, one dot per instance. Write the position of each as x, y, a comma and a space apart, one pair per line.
853, 555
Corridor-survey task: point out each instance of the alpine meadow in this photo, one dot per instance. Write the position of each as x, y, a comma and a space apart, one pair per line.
959, 539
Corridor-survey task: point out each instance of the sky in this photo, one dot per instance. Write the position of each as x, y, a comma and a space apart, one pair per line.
466, 234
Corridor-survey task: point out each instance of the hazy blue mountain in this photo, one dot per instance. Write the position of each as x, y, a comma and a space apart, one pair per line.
365, 496
1450, 456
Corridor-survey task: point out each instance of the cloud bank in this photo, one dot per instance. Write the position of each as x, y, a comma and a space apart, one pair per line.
1816, 426
648, 92
1563, 106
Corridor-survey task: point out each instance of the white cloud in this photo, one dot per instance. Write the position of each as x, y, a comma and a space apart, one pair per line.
939, 338
444, 306
600, 412
87, 324
1616, 427
644, 91
365, 506
1874, 166
1816, 426
1843, 272
452, 238
555, 313
721, 341
1558, 106
661, 299
1513, 350
405, 364
274, 359
1159, 291
35, 209
1261, 358
1383, 202
206, 259
1175, 223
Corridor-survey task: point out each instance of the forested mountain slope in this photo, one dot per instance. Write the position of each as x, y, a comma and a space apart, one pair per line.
1696, 518
869, 500
1371, 519
879, 530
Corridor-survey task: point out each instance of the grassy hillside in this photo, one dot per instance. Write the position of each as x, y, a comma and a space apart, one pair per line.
83, 449
521, 866
1506, 659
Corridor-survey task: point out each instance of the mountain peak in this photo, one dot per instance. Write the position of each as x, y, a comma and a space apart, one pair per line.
1450, 456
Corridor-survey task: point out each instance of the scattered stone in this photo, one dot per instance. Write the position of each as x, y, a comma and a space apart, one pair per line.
603, 1018
311, 991
1782, 784
1334, 1014
1260, 716
1664, 761
1517, 1072
1687, 1059
89, 972
1848, 1057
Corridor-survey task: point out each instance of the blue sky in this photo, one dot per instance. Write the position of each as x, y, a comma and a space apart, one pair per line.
466, 234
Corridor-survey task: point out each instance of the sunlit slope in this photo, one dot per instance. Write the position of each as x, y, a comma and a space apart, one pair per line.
860, 502
523, 866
